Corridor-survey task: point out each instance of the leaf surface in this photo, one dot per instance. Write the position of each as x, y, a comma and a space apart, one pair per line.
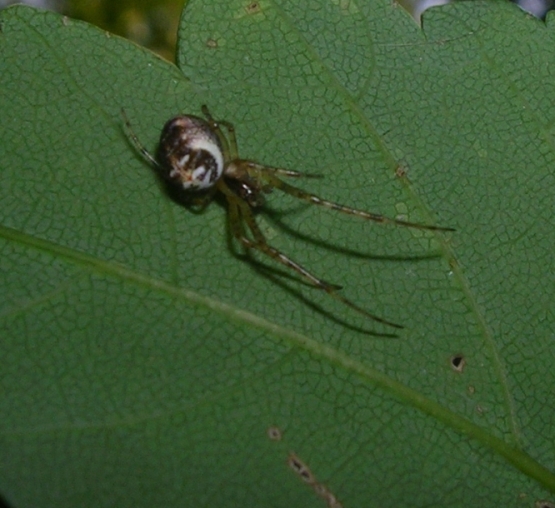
145, 362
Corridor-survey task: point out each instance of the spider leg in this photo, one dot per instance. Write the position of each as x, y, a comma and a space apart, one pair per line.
230, 142
240, 213
271, 179
254, 167
138, 145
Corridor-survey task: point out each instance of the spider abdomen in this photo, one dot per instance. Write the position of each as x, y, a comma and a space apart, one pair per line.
190, 153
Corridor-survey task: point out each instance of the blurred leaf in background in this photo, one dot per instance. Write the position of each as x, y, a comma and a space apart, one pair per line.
150, 23
153, 23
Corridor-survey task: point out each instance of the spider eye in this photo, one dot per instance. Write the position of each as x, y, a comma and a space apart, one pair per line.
190, 153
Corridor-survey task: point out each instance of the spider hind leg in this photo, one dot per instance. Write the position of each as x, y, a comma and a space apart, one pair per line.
240, 214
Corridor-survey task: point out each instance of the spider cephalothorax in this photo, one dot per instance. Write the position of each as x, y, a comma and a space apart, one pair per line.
196, 155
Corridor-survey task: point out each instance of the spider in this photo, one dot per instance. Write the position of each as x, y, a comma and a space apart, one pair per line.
196, 155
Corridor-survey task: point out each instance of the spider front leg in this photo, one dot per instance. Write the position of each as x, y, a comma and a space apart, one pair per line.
240, 213
259, 170
268, 176
147, 156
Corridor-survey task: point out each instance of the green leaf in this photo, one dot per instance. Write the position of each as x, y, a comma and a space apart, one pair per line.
147, 365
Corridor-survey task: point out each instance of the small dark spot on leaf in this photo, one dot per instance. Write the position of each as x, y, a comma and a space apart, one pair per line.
253, 8
300, 468
458, 362
320, 489
274, 433
306, 475
400, 172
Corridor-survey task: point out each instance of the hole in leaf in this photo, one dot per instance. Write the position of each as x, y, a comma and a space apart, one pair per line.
400, 172
458, 362
300, 468
274, 433
253, 8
